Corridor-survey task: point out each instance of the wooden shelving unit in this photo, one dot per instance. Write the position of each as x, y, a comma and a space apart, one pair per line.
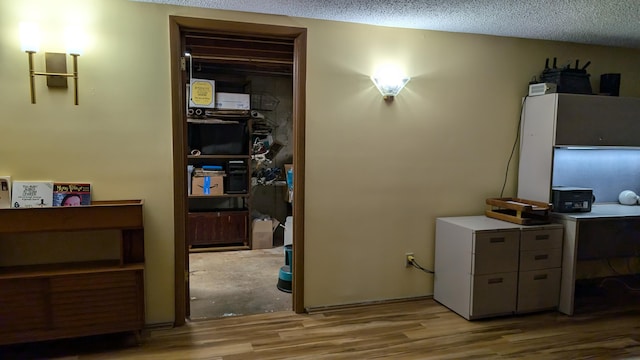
221, 220
72, 299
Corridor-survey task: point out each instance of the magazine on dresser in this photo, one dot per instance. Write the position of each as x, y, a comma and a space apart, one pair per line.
71, 193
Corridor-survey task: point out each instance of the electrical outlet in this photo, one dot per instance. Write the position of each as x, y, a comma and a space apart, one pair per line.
407, 263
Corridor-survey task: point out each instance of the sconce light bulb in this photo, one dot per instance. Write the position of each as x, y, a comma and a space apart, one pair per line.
29, 37
74, 40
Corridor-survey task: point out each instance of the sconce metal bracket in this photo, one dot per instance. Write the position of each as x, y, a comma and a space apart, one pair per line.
56, 63
56, 70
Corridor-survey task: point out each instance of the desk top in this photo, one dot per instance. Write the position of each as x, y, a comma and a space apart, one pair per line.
603, 210
484, 223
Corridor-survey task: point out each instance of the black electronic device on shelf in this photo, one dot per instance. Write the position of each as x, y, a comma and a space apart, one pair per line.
237, 181
568, 80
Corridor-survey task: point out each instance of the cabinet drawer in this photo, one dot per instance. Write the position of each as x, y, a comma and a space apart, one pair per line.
541, 239
106, 300
538, 290
493, 294
93, 281
204, 228
495, 252
71, 305
24, 305
540, 259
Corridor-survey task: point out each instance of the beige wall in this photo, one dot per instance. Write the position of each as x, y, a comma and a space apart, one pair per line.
378, 174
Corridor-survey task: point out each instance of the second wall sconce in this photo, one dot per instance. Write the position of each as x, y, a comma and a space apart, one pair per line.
389, 84
55, 63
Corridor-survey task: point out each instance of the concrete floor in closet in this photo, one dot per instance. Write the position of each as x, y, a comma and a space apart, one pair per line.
234, 283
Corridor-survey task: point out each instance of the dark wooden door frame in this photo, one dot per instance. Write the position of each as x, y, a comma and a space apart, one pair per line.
176, 25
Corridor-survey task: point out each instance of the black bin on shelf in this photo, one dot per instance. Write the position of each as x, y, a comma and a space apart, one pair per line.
237, 181
218, 139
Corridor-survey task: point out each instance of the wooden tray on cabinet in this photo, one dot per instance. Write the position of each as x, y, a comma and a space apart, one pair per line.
518, 211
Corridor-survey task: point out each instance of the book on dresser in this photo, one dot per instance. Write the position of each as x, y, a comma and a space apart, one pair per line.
71, 194
5, 192
28, 194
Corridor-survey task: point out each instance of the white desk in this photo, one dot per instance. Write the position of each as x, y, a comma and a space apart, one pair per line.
618, 223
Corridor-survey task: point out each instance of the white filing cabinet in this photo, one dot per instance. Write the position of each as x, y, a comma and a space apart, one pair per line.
486, 267
540, 267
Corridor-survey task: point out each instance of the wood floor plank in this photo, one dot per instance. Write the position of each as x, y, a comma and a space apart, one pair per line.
420, 329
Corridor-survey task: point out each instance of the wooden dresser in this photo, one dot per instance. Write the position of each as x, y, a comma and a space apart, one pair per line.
71, 299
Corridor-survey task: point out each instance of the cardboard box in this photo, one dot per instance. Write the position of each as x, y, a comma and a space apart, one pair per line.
233, 101
207, 185
262, 233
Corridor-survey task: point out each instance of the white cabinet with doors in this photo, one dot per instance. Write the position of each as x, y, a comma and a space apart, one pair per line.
570, 120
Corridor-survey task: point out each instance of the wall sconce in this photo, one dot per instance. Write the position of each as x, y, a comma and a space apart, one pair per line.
55, 63
389, 84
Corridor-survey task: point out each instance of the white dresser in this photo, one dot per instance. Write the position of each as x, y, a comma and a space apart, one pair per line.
486, 267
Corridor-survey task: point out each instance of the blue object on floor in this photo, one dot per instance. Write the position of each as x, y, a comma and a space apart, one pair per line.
284, 279
288, 251
285, 274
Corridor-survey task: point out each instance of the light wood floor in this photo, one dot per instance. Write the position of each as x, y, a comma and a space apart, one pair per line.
421, 329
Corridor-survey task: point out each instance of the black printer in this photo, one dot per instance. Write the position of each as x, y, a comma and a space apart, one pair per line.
571, 199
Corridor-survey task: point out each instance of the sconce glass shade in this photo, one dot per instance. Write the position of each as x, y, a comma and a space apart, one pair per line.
29, 37
74, 40
389, 86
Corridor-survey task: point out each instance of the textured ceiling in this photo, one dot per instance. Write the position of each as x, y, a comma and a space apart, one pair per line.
602, 22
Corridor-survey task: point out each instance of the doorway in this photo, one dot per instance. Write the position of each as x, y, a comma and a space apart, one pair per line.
249, 59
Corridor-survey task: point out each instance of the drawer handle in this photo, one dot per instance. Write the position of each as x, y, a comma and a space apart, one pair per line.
540, 277
496, 240
541, 257
542, 237
495, 281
